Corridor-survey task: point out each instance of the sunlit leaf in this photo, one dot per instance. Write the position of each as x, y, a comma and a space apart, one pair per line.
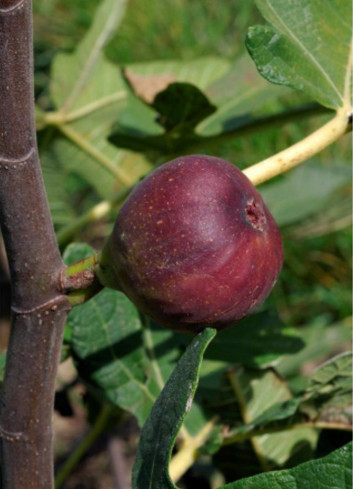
320, 339
307, 47
259, 395
327, 399
85, 77
237, 94
304, 191
179, 108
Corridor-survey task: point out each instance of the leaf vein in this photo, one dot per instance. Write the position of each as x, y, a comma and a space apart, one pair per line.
308, 53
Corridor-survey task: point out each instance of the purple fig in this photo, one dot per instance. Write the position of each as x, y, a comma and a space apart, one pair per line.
194, 245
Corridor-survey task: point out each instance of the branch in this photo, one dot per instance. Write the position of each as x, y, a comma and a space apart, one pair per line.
39, 308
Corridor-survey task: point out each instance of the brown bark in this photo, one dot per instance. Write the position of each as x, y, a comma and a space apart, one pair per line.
39, 308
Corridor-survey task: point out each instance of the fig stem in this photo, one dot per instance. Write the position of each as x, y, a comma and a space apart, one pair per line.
301, 151
85, 264
79, 280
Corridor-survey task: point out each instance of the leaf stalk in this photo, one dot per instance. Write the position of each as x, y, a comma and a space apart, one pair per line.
303, 150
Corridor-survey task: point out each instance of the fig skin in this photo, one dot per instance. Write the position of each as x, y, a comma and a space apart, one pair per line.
194, 245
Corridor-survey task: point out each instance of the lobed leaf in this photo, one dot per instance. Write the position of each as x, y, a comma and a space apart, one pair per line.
81, 78
179, 108
328, 396
237, 95
89, 92
307, 47
327, 399
225, 104
265, 400
107, 344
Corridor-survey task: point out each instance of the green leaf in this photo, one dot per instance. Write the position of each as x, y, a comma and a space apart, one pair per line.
126, 360
180, 107
77, 251
307, 47
234, 96
304, 191
334, 471
321, 340
328, 397
89, 92
257, 341
160, 430
84, 150
248, 402
337, 216
81, 78
335, 372
107, 344
265, 398
237, 94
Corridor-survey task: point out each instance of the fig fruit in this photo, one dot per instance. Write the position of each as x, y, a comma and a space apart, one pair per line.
194, 245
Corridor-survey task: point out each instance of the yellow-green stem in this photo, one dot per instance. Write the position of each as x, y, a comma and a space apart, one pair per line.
188, 451
88, 263
79, 280
301, 151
